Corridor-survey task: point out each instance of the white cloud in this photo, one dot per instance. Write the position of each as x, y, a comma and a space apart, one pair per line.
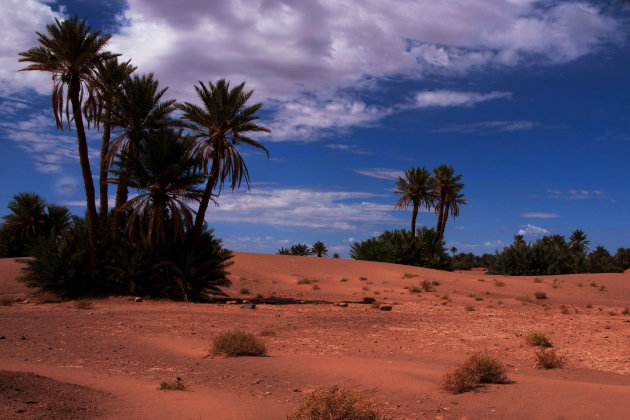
267, 244
576, 194
531, 230
493, 244
490, 126
447, 98
308, 60
537, 215
380, 173
351, 148
327, 210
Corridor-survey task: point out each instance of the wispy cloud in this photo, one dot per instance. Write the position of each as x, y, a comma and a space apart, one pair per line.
576, 194
449, 98
493, 244
492, 126
350, 148
380, 173
531, 230
328, 210
539, 215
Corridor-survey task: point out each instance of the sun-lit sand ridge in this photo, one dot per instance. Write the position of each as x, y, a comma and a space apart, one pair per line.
115, 354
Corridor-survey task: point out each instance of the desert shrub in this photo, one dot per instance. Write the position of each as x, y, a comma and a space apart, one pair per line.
539, 294
176, 385
336, 256
238, 343
564, 310
363, 278
479, 368
538, 280
300, 250
316, 287
369, 300
625, 311
336, 404
268, 332
397, 247
304, 281
243, 291
83, 304
546, 358
435, 283
499, 283
425, 285
343, 280
409, 276
414, 289
470, 308
538, 338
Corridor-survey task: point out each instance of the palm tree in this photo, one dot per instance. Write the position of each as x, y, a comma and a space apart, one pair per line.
578, 242
58, 219
221, 124
137, 110
71, 53
447, 191
415, 190
165, 175
27, 219
110, 76
319, 249
453, 250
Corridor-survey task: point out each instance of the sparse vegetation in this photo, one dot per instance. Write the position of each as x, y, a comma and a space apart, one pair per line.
363, 278
564, 310
426, 285
470, 308
336, 404
593, 284
83, 304
238, 343
176, 385
268, 332
539, 294
479, 368
414, 289
369, 300
538, 338
244, 291
316, 287
435, 283
343, 280
304, 281
547, 358
499, 283
538, 280
626, 311
410, 276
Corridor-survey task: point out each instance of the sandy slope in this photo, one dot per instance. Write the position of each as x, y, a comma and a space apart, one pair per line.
121, 350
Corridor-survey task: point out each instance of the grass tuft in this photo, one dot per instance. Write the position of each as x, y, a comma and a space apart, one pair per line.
479, 368
176, 385
363, 278
545, 358
238, 343
304, 281
414, 289
343, 280
539, 294
538, 338
334, 403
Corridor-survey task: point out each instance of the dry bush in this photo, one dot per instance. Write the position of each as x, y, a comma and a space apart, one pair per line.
369, 300
539, 294
83, 304
545, 358
538, 280
626, 311
499, 283
602, 289
363, 278
564, 310
425, 285
480, 368
538, 338
343, 280
470, 308
336, 404
316, 287
414, 289
593, 284
6, 301
589, 305
304, 281
480, 280
435, 283
409, 276
176, 385
238, 343
244, 291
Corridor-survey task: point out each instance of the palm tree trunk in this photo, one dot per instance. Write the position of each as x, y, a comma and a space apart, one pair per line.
439, 208
203, 204
122, 194
102, 177
414, 214
445, 210
85, 168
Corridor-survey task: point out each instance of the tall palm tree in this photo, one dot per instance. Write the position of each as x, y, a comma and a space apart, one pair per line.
453, 250
415, 189
138, 109
27, 219
58, 219
220, 125
165, 174
447, 191
71, 53
319, 249
110, 76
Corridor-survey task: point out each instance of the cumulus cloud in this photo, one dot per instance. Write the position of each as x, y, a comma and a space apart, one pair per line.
328, 210
531, 230
309, 60
538, 215
493, 244
380, 173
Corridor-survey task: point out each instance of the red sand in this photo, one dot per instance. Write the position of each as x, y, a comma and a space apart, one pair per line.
119, 351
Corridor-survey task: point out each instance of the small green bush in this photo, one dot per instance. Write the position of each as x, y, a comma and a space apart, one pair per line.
238, 343
336, 404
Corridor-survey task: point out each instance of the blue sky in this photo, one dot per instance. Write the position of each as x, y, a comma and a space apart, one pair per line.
528, 100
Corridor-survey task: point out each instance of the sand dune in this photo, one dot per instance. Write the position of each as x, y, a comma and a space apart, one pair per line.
120, 351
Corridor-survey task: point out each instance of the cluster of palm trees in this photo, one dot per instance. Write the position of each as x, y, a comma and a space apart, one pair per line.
318, 249
164, 160
440, 192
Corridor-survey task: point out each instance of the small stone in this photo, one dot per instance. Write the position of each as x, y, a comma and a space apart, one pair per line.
296, 390
231, 302
248, 306
25, 301
383, 307
138, 299
342, 304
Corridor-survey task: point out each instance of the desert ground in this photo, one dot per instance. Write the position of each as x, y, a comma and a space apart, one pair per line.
107, 360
